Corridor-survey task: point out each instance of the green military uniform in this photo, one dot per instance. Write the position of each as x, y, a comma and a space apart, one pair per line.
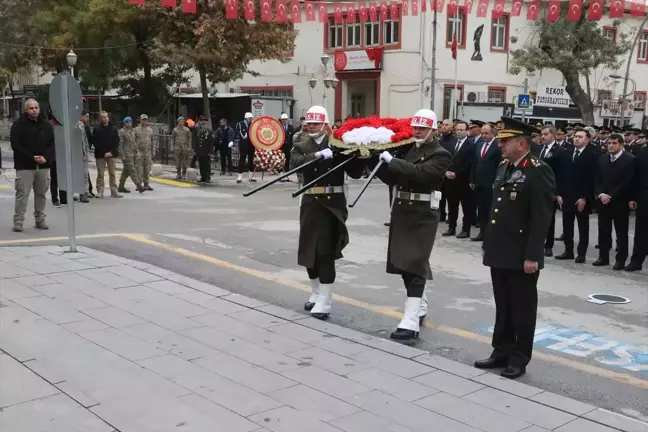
182, 149
128, 152
144, 159
523, 194
86, 151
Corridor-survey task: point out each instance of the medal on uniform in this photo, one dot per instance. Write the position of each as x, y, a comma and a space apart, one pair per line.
516, 175
513, 196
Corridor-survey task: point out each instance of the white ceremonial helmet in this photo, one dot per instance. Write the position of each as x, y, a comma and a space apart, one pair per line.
248, 115
425, 118
317, 114
283, 116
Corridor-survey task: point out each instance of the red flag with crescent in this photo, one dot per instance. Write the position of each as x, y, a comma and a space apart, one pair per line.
498, 9
553, 10
516, 8
249, 10
188, 6
405, 8
266, 10
393, 10
617, 8
231, 9
415, 7
362, 12
323, 12
575, 10
350, 13
438, 4
423, 5
453, 7
638, 8
309, 9
337, 14
533, 11
295, 11
468, 4
383, 10
373, 13
595, 10
482, 8
280, 12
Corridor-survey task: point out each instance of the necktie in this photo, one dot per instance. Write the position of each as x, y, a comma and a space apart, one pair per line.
576, 154
458, 146
484, 149
544, 151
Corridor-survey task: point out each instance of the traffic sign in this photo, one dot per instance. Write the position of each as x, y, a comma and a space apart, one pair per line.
524, 101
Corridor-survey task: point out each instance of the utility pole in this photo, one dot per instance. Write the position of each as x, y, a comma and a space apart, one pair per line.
433, 61
525, 91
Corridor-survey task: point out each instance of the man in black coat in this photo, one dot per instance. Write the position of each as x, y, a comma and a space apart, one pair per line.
548, 152
32, 142
457, 183
575, 184
204, 146
286, 148
523, 194
487, 159
640, 203
224, 137
613, 191
448, 141
106, 145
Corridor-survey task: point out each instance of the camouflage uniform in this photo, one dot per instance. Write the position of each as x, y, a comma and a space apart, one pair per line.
86, 150
128, 153
144, 144
182, 148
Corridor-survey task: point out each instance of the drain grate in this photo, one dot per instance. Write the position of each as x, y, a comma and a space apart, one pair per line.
607, 298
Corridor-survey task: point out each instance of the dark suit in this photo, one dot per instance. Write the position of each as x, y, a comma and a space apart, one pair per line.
614, 179
483, 174
575, 181
550, 157
640, 195
448, 142
458, 189
289, 132
517, 227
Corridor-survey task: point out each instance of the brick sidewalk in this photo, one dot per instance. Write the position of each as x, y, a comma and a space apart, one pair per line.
91, 342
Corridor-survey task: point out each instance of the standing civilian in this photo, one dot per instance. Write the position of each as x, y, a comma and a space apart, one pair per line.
106, 144
640, 203
289, 131
487, 159
225, 137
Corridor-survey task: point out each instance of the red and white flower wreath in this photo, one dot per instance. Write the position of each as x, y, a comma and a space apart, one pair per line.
372, 134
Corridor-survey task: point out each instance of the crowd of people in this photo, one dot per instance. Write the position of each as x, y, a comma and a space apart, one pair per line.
597, 170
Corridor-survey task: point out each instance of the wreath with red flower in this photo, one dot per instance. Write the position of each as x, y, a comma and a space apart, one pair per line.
271, 161
372, 134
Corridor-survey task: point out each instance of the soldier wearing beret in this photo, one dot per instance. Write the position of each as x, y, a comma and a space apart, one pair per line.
513, 246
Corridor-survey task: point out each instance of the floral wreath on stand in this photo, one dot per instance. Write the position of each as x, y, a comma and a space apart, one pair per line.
372, 134
272, 161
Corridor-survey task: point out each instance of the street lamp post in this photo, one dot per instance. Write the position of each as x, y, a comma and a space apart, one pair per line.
330, 81
71, 58
625, 95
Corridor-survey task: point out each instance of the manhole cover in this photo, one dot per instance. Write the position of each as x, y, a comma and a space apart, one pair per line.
607, 298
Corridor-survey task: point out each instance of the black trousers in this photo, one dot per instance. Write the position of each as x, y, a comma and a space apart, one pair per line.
551, 232
459, 192
246, 154
619, 215
415, 285
516, 307
287, 164
204, 163
484, 198
640, 247
57, 195
225, 157
324, 269
194, 159
442, 204
569, 215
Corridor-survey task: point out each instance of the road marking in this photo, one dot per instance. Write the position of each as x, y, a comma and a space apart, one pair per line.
387, 311
61, 238
5, 187
168, 182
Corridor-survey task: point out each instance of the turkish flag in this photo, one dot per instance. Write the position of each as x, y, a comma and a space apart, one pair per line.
553, 10
188, 6
405, 8
439, 5
498, 9
295, 11
415, 8
266, 10
638, 8
575, 10
169, 3
423, 5
453, 7
393, 11
323, 12
373, 13
351, 14
337, 14
249, 10
482, 8
468, 4
309, 10
383, 11
231, 9
280, 11
595, 10
453, 47
533, 11
617, 8
362, 11
516, 8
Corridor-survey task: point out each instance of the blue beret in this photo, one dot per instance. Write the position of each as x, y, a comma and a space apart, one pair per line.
180, 118
127, 119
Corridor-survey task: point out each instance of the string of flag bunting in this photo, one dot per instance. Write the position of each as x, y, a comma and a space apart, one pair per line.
291, 10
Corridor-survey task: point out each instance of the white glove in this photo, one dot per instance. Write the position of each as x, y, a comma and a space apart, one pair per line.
231, 144
324, 154
385, 156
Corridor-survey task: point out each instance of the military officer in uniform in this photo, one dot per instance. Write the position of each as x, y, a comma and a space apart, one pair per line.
513, 246
181, 147
245, 148
323, 211
128, 153
416, 180
144, 142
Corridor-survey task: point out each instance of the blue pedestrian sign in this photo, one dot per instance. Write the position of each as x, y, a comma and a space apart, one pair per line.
524, 101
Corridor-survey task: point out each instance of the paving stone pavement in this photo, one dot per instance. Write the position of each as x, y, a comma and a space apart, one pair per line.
91, 342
